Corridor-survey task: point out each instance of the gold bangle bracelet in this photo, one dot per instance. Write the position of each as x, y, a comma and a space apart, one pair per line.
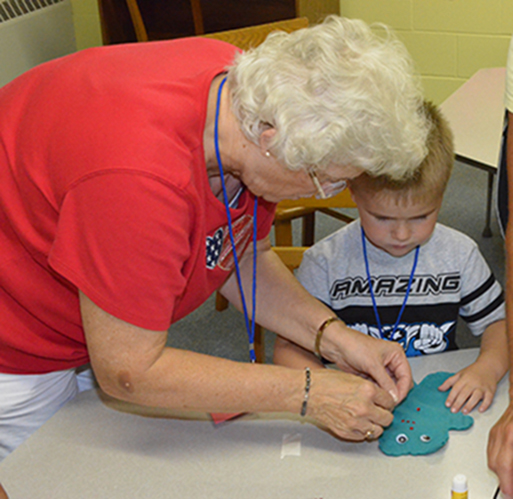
320, 332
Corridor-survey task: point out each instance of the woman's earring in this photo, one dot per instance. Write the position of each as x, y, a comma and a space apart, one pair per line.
267, 154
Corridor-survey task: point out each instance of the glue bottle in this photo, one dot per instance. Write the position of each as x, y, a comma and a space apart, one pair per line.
459, 488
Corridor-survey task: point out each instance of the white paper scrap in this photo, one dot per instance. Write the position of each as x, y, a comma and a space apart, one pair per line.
291, 445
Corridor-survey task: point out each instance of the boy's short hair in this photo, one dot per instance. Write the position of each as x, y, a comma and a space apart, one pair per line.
430, 179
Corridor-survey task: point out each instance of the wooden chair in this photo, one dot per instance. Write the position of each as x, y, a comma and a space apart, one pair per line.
291, 256
252, 36
304, 208
288, 210
141, 32
243, 38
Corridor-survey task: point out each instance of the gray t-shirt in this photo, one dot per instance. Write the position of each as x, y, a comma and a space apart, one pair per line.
452, 278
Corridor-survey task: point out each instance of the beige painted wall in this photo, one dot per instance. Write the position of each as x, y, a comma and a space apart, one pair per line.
316, 10
449, 39
87, 23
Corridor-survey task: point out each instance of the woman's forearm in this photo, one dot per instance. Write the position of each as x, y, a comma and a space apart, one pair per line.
282, 304
133, 364
187, 380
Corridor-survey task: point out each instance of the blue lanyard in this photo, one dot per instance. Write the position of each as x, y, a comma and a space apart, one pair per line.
369, 280
250, 328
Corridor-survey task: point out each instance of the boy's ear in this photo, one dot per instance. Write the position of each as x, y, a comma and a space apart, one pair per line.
266, 138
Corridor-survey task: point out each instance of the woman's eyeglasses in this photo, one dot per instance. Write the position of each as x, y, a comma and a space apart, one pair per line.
332, 188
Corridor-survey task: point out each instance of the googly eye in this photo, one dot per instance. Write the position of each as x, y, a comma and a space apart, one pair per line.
401, 438
425, 438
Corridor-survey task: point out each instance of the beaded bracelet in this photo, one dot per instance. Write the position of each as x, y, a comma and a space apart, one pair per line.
320, 332
307, 392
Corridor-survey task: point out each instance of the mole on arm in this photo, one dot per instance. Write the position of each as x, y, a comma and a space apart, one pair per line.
125, 382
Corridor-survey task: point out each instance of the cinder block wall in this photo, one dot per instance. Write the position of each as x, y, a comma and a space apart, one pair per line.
86, 17
449, 39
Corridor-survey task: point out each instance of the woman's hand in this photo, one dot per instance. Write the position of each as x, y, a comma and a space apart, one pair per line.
286, 308
383, 361
351, 407
471, 385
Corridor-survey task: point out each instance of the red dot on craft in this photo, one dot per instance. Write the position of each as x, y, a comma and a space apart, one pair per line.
418, 408
413, 422
402, 420
411, 427
407, 420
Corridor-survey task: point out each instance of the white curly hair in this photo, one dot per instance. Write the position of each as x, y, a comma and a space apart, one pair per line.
336, 94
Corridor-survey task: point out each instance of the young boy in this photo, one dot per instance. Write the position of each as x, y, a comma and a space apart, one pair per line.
422, 275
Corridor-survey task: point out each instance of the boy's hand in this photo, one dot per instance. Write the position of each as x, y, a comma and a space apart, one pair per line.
471, 385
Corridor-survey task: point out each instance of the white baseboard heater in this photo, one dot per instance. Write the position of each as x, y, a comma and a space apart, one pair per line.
33, 32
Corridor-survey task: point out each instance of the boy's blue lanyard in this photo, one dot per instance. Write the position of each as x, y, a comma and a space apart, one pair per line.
249, 327
369, 280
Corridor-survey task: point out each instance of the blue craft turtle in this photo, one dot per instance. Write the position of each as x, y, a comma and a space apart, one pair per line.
422, 421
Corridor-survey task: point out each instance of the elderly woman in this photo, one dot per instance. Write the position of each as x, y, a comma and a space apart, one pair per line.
139, 179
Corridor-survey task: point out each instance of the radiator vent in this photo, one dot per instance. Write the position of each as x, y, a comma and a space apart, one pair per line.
11, 9
33, 32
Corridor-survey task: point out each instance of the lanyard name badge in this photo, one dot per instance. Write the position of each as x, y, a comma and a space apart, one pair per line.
250, 327
371, 291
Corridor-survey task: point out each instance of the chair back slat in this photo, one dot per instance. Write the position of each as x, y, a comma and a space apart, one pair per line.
252, 36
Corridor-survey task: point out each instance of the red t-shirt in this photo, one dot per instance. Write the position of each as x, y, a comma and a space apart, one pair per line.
104, 189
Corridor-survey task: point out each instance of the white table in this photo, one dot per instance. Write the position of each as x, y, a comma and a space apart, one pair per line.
476, 114
106, 449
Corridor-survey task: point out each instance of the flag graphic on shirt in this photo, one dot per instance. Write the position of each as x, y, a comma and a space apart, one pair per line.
219, 247
214, 245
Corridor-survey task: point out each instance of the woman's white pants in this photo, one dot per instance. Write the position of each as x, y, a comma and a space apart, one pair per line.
28, 401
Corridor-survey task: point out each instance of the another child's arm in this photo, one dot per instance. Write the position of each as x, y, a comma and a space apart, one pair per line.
289, 354
478, 381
